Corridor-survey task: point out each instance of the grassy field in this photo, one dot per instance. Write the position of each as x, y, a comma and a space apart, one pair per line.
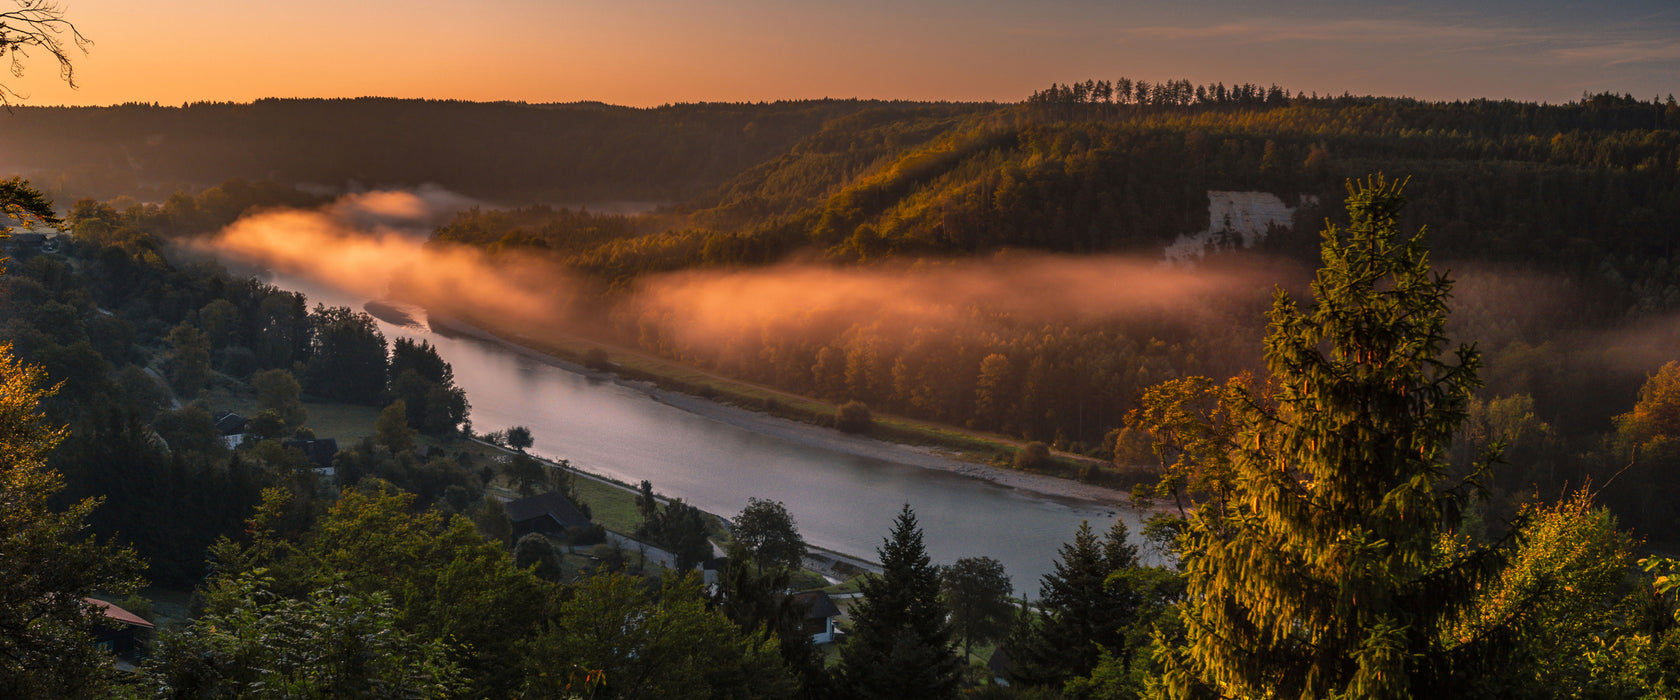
610, 505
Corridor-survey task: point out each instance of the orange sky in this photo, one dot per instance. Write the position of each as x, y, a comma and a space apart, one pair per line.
648, 53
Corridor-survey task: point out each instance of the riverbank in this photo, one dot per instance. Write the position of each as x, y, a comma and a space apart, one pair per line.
808, 434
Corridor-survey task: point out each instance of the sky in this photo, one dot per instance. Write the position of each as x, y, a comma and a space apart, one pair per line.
646, 53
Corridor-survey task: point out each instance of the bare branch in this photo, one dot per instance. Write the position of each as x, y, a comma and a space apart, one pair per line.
38, 24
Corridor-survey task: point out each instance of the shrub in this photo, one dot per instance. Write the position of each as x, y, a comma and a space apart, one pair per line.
1036, 455
854, 417
596, 359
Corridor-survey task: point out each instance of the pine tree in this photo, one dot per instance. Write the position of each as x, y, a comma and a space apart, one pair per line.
1319, 574
901, 643
1082, 613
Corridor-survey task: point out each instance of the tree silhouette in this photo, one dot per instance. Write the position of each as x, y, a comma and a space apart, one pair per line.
38, 24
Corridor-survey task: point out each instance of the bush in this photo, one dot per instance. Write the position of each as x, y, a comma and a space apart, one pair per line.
583, 536
1036, 455
854, 417
596, 359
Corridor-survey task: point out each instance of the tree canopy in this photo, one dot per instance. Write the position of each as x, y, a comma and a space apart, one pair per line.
769, 534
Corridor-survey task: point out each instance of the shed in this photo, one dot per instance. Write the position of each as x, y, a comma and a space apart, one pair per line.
820, 612
548, 513
122, 637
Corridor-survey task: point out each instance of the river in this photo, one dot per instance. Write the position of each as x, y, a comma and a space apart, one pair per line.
842, 502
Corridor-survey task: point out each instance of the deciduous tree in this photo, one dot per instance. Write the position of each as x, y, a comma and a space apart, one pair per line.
977, 589
48, 564
278, 391
769, 534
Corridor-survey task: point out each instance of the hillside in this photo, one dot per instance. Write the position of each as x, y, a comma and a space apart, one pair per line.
503, 152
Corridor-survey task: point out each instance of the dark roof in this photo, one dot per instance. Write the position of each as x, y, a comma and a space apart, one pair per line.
1000, 664
115, 612
229, 422
821, 606
549, 504
321, 451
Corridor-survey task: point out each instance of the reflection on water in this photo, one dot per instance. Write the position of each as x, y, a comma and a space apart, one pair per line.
842, 502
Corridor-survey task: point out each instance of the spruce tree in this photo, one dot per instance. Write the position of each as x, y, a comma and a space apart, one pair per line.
1321, 573
901, 643
1085, 610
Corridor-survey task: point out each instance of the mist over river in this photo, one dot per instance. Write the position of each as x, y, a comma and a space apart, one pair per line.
842, 501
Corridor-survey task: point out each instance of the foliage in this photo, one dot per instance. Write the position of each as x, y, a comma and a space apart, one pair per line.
680, 529
646, 503
1318, 574
48, 564
525, 472
445, 581
757, 600
519, 438
769, 535
189, 360
1562, 606
1033, 455
976, 589
536, 553
278, 391
251, 643
168, 503
1655, 419
21, 203
853, 417
391, 431
347, 360
1088, 607
642, 645
900, 643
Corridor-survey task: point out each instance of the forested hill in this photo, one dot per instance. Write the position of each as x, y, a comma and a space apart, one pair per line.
1562, 186
501, 152
1568, 211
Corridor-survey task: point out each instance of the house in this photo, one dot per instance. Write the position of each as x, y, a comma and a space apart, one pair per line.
123, 639
320, 452
229, 423
820, 612
547, 513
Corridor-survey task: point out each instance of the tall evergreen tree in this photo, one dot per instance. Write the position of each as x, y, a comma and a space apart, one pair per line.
1319, 574
901, 644
1082, 614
